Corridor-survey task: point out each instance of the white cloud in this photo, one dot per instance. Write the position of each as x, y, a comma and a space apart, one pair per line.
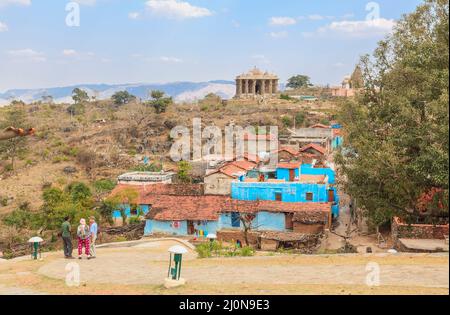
339, 64
282, 34
170, 59
235, 24
176, 9
86, 2
134, 15
69, 52
4, 3
367, 28
282, 21
27, 54
3, 27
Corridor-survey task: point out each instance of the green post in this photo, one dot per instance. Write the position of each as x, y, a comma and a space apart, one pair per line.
35, 243
35, 250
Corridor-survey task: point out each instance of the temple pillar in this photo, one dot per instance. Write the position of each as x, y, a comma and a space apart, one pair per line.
275, 87
246, 87
270, 87
263, 87
238, 88
254, 88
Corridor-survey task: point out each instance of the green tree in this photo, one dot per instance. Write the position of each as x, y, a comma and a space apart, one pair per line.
397, 130
184, 169
357, 79
122, 98
121, 200
79, 96
10, 149
299, 81
159, 102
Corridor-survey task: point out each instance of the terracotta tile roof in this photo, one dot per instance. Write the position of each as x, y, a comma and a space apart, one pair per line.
145, 192
311, 217
245, 165
251, 157
180, 208
292, 165
322, 126
314, 146
312, 179
289, 150
231, 205
232, 170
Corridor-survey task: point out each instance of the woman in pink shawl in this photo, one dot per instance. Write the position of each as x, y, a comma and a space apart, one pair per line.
83, 239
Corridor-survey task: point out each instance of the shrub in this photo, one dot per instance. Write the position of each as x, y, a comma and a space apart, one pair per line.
134, 220
104, 185
287, 121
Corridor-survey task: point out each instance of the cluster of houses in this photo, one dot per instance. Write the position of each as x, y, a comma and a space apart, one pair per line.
296, 197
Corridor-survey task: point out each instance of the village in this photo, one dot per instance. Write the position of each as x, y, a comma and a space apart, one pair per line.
285, 173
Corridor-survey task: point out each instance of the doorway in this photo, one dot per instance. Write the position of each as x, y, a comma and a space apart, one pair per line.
190, 228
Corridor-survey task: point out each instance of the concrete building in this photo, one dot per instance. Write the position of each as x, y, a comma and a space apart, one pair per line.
256, 83
146, 178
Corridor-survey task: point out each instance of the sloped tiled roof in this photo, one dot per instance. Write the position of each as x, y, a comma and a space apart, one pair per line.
231, 205
245, 165
145, 192
180, 208
313, 146
321, 126
289, 150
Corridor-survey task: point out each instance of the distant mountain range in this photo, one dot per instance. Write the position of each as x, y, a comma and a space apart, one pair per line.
180, 91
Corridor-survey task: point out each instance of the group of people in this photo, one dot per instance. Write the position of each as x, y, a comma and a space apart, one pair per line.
86, 236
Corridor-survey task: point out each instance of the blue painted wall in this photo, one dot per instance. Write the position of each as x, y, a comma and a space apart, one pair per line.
153, 226
290, 191
270, 221
264, 220
307, 169
283, 173
144, 209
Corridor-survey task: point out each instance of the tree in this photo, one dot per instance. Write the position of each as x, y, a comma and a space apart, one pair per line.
398, 128
127, 197
79, 96
299, 81
122, 98
11, 148
247, 220
184, 169
159, 102
357, 80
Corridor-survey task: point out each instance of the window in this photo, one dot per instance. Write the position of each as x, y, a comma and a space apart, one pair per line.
309, 196
278, 197
235, 219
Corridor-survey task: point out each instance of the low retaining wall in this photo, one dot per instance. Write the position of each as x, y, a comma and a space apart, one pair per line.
417, 231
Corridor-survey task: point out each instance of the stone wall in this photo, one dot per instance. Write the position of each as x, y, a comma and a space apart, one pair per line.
234, 235
423, 231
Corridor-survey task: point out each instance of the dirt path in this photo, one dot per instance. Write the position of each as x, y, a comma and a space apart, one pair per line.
146, 266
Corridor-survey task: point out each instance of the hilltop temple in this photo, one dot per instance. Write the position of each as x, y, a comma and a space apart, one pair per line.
256, 83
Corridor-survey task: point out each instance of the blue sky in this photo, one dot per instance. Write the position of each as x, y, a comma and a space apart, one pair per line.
134, 41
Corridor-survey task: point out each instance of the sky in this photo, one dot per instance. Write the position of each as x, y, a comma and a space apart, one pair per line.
55, 43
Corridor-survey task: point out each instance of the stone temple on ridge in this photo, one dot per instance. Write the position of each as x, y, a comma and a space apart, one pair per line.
256, 83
